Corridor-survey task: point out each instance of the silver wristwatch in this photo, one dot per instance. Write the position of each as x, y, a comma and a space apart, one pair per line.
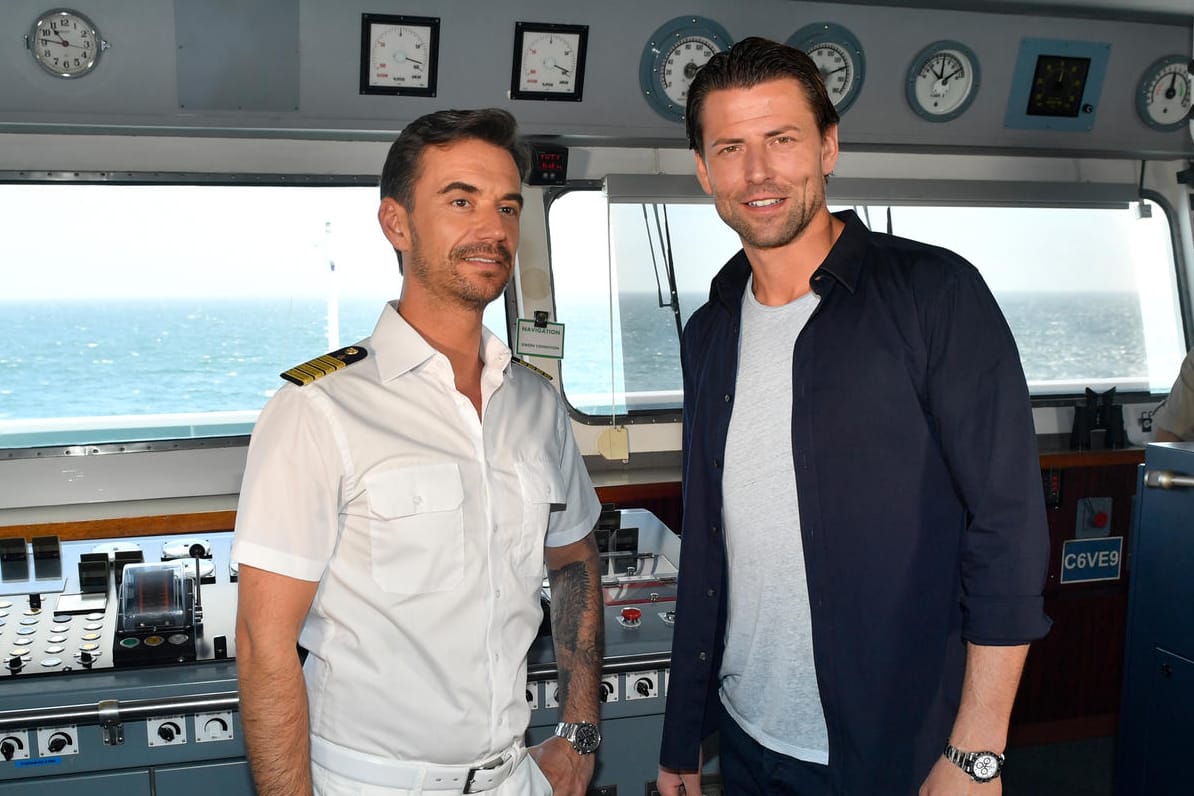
981, 766
584, 737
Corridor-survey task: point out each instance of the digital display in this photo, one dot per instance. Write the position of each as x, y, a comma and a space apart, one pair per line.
549, 165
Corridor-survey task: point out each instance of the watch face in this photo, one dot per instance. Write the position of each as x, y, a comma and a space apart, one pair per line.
587, 739
986, 766
65, 43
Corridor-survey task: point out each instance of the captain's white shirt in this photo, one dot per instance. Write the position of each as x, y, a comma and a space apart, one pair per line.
425, 527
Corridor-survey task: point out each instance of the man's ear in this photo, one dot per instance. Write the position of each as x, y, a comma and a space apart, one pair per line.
395, 223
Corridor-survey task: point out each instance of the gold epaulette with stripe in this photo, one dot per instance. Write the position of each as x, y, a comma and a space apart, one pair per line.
321, 366
531, 368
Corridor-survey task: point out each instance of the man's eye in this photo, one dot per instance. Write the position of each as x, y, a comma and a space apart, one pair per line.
460, 202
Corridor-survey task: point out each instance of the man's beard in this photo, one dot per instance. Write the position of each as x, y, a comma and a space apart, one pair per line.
449, 282
800, 213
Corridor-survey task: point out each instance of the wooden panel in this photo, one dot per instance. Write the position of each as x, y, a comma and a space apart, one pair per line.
205, 522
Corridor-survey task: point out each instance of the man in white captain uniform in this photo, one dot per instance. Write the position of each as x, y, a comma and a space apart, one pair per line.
396, 513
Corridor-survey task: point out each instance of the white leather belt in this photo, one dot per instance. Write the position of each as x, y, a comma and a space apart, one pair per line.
471, 778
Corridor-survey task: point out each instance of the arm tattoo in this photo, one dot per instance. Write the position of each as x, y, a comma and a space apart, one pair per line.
578, 633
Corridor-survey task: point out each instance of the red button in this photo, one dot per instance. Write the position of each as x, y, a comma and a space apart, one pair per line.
631, 614
1099, 520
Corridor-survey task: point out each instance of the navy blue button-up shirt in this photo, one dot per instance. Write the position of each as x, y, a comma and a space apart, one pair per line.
921, 508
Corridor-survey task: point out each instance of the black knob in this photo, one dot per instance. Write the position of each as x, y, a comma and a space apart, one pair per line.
34, 602
15, 664
58, 742
168, 731
86, 658
643, 686
9, 747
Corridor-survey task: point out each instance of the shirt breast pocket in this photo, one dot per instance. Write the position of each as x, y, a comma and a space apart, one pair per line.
416, 528
542, 486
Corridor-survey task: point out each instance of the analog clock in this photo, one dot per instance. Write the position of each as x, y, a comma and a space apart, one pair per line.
1163, 94
838, 55
399, 54
549, 61
671, 59
65, 43
942, 81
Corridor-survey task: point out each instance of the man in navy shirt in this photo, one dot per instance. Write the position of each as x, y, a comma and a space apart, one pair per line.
864, 541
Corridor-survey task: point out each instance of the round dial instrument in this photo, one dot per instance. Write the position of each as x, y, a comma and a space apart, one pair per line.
671, 59
942, 81
1163, 95
839, 57
65, 43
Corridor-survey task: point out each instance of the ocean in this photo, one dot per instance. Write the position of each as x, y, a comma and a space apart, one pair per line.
150, 356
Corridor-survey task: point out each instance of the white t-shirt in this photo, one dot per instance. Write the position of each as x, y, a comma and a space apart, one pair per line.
425, 528
768, 676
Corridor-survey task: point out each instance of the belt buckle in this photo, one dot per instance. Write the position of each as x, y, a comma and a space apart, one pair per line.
489, 765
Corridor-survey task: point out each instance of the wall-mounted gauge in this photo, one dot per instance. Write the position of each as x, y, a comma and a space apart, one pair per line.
942, 80
671, 59
838, 54
549, 61
1056, 85
399, 54
65, 43
1163, 94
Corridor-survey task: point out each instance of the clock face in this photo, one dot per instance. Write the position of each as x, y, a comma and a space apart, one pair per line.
399, 55
549, 61
1163, 95
1058, 84
65, 43
838, 56
673, 56
942, 81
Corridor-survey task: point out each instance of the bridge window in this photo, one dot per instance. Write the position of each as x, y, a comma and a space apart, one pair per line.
134, 312
1090, 293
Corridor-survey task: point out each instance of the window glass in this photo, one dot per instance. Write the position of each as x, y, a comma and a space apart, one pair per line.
142, 312
1090, 294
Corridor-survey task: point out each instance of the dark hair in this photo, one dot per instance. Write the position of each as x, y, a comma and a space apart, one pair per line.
748, 63
491, 125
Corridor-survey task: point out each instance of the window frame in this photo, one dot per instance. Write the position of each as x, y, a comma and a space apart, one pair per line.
684, 189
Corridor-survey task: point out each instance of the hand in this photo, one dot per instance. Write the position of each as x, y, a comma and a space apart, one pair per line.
568, 772
946, 779
671, 783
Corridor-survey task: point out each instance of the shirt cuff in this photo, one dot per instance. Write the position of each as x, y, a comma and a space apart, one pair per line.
1004, 621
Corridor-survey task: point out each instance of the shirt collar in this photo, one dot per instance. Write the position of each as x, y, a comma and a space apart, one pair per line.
843, 263
398, 348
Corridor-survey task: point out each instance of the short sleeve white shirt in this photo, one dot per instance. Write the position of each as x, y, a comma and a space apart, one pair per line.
425, 527
1176, 412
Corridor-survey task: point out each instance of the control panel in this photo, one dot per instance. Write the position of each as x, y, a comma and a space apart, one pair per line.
119, 662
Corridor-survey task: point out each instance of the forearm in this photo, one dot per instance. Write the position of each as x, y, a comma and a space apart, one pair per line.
988, 691
273, 707
578, 633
